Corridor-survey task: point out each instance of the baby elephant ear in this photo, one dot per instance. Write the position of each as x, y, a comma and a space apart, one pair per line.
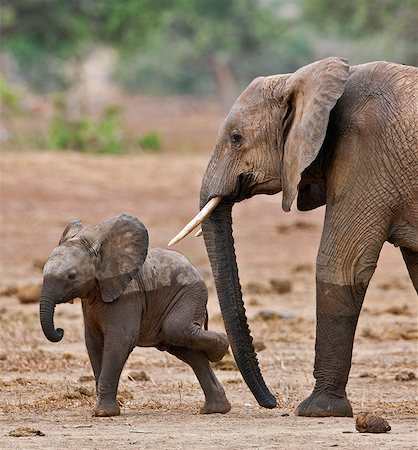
71, 230
123, 249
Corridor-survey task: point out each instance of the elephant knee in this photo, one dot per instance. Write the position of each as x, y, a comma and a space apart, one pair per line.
352, 270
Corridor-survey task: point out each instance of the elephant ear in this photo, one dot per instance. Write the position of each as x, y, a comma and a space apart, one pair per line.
71, 230
123, 249
312, 92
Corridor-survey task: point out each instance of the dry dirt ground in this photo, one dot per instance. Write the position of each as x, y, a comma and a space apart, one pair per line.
40, 384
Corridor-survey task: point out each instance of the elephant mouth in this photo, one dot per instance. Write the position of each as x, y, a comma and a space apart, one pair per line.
243, 188
247, 186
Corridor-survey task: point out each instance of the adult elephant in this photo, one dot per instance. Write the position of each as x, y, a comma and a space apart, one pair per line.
328, 134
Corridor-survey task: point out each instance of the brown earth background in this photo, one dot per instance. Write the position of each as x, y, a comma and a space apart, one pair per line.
41, 383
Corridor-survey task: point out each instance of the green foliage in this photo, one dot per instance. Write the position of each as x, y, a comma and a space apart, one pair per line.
8, 96
150, 142
84, 135
42, 34
184, 50
165, 46
393, 22
194, 46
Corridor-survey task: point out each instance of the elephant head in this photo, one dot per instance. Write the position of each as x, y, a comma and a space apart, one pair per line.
104, 257
273, 132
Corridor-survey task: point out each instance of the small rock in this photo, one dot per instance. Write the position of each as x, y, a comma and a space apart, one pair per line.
25, 431
405, 375
281, 286
86, 378
226, 363
256, 288
139, 376
367, 375
253, 302
266, 314
371, 423
392, 283
29, 294
398, 310
303, 267
259, 346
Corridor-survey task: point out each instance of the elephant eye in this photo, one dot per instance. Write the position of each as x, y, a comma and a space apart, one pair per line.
72, 276
236, 138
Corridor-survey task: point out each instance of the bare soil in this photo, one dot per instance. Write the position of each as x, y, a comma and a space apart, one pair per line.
40, 384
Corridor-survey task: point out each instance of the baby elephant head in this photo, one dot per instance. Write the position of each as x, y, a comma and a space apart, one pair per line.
106, 256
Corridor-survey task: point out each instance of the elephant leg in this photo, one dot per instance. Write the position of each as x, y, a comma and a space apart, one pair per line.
213, 344
94, 344
346, 261
183, 328
117, 348
215, 398
411, 260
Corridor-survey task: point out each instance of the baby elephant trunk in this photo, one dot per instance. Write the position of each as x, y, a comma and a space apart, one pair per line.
46, 314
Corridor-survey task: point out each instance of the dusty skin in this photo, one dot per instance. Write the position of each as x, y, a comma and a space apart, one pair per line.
40, 385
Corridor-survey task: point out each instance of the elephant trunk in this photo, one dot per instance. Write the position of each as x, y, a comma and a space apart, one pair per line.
217, 232
46, 314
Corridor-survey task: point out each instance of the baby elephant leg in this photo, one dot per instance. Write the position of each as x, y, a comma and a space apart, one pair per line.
183, 327
117, 348
215, 345
215, 398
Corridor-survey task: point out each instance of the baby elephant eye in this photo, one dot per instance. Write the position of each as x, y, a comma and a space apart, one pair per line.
72, 276
236, 138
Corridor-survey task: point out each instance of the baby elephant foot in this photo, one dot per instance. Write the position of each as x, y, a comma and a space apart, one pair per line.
219, 349
106, 409
325, 405
219, 406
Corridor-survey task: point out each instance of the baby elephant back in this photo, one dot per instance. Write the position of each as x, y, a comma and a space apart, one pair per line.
164, 268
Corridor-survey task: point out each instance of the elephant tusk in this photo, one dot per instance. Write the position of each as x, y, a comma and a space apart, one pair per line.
199, 233
197, 220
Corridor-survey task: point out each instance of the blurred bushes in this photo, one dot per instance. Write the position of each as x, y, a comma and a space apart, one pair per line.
150, 142
164, 46
9, 97
85, 135
167, 47
201, 46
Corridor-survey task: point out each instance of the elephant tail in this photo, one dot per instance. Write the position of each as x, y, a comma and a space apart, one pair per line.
206, 323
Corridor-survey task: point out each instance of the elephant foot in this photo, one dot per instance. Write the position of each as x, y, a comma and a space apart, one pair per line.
218, 351
325, 405
106, 409
219, 406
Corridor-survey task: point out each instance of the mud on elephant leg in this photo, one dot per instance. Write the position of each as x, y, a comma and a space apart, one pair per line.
215, 398
337, 316
337, 312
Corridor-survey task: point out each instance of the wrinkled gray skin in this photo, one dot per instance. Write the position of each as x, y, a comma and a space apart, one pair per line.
132, 296
328, 134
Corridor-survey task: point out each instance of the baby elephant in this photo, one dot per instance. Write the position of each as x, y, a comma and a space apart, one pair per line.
131, 295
